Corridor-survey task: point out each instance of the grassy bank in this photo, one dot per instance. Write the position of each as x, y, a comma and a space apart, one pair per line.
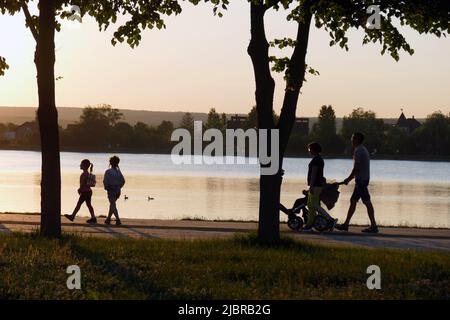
239, 268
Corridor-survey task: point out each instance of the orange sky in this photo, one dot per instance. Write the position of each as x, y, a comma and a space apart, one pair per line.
200, 61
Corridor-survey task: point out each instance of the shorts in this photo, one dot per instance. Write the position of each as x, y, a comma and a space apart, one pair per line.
361, 191
85, 196
113, 193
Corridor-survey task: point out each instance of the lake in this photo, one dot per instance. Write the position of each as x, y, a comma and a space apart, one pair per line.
408, 193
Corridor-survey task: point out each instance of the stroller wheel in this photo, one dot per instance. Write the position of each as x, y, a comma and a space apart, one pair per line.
295, 223
320, 223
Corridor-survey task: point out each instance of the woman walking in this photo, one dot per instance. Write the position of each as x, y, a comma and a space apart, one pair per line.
316, 182
87, 180
113, 182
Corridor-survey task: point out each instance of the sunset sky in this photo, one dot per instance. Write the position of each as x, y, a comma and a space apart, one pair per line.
200, 61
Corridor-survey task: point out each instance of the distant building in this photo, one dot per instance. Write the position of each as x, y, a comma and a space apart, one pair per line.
22, 132
9, 135
71, 126
409, 125
237, 122
25, 130
301, 126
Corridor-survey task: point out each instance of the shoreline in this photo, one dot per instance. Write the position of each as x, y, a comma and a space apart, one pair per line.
233, 221
419, 158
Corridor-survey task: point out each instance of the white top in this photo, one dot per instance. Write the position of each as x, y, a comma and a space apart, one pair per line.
362, 158
113, 178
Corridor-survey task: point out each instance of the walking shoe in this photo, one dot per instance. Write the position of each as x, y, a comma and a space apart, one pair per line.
108, 222
306, 229
118, 222
342, 227
92, 220
333, 225
370, 230
69, 216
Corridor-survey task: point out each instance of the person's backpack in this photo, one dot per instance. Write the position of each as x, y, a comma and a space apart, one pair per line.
91, 180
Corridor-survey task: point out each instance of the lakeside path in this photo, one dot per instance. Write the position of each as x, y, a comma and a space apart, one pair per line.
401, 238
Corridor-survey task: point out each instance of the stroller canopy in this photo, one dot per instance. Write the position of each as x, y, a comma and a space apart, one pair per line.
330, 195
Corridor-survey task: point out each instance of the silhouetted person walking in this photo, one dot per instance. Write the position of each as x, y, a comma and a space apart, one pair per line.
113, 182
316, 182
361, 174
87, 180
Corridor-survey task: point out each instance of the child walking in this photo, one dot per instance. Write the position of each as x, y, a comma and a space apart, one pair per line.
87, 180
113, 182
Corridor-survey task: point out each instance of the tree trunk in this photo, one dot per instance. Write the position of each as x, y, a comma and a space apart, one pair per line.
258, 49
297, 70
48, 121
270, 185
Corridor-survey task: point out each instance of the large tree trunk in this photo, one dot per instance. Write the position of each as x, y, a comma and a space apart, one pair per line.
48, 121
270, 185
269, 220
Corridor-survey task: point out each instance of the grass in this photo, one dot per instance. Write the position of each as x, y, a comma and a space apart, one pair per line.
32, 267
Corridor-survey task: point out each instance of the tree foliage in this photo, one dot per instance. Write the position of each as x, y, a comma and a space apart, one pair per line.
433, 138
140, 15
215, 121
187, 122
338, 17
103, 128
3, 66
94, 128
366, 122
252, 118
324, 131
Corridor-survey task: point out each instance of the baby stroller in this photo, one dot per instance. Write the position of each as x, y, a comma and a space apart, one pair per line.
323, 221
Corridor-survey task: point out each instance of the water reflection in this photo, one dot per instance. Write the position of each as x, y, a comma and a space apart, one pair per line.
395, 203
230, 198
231, 192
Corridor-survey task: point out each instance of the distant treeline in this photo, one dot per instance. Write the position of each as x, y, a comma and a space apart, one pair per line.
102, 129
430, 139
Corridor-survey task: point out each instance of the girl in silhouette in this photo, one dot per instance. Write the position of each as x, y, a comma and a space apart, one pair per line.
113, 182
85, 191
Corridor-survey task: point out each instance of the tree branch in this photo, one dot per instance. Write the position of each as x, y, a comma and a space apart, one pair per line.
29, 21
271, 3
294, 82
258, 51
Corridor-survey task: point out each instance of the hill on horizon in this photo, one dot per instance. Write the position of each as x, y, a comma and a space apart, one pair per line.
71, 115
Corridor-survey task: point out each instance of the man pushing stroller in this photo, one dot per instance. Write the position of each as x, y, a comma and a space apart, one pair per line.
319, 191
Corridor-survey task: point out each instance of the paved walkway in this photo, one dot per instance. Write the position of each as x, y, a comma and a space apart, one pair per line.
404, 238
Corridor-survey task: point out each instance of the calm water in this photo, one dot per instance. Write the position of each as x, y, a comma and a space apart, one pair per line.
404, 192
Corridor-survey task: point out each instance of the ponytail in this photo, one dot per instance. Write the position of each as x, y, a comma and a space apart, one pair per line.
91, 168
114, 162
86, 164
